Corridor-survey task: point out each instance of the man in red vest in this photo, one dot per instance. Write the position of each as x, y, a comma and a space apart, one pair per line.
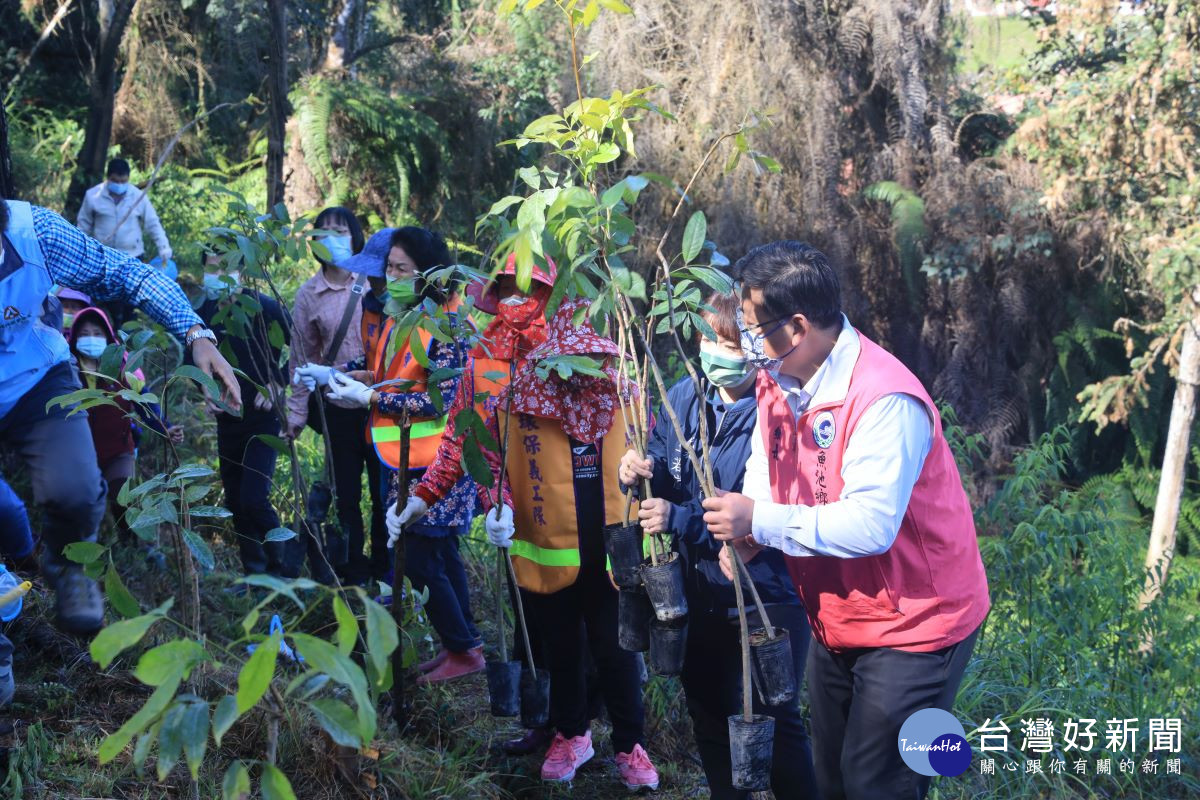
851, 477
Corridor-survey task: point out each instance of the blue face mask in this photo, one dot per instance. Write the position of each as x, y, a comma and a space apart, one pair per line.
752, 346
217, 285
338, 247
118, 188
91, 346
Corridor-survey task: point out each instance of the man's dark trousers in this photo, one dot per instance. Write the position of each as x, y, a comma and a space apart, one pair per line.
858, 699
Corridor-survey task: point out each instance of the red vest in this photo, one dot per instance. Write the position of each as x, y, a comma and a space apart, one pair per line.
929, 590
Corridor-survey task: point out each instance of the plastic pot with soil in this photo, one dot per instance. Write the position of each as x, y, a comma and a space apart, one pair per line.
774, 669
634, 613
751, 743
668, 646
623, 543
663, 579
535, 698
504, 687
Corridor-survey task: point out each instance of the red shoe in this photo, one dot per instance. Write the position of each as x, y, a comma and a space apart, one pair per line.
436, 661
565, 756
456, 665
636, 771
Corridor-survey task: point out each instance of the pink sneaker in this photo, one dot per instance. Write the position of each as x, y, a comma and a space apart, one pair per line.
637, 772
566, 755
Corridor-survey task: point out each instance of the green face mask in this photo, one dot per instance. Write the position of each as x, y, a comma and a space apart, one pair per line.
724, 370
402, 292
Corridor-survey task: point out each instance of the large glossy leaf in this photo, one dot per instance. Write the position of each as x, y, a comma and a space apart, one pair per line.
256, 674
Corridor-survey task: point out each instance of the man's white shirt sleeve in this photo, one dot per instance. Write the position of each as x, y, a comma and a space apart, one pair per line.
880, 466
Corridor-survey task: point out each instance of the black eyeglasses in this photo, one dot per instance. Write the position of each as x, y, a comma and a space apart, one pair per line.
743, 328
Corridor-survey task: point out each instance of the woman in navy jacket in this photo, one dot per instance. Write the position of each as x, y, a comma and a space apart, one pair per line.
712, 667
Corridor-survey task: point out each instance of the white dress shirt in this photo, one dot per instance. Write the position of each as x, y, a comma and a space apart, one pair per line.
880, 465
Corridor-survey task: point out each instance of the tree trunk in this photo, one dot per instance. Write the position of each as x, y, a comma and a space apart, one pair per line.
277, 89
112, 20
6, 184
1170, 485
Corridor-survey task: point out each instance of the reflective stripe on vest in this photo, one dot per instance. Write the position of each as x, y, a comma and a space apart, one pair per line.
385, 430
545, 547
420, 430
545, 556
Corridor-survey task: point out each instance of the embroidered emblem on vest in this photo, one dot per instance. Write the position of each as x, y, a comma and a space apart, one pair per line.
823, 429
11, 313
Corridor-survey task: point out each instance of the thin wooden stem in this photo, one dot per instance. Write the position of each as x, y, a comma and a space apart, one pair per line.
399, 709
501, 580
743, 571
512, 574
747, 698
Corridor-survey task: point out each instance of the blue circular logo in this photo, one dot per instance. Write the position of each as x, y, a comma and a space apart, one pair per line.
824, 429
932, 742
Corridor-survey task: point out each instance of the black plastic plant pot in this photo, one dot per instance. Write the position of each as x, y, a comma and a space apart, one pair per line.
504, 687
774, 669
633, 620
664, 585
535, 698
668, 646
623, 543
337, 546
750, 746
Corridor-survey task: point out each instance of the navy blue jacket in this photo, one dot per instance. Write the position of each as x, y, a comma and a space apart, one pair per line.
729, 431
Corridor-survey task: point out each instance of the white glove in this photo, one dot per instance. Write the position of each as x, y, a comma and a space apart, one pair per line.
412, 512
312, 375
500, 531
345, 392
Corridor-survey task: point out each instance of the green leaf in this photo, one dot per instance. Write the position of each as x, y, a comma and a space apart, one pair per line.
118, 595
275, 785
199, 548
208, 511
693, 236
119, 636
159, 664
141, 750
115, 742
170, 740
236, 783
275, 443
531, 176
188, 471
279, 535
605, 153
224, 716
256, 673
475, 463
347, 625
199, 376
617, 6
193, 728
323, 656
84, 552
382, 636
338, 720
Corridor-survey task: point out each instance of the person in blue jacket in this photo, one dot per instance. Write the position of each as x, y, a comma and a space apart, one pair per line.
38, 249
712, 666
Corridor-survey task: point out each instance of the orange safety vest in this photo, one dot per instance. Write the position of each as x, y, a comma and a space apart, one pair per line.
545, 547
384, 430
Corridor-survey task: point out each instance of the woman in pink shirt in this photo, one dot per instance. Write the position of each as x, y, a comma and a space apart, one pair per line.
321, 304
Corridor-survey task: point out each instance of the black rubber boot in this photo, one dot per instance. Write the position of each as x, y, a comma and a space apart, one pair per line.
78, 602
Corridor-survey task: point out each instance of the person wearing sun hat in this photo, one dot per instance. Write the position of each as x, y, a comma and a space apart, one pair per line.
408, 257
565, 444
